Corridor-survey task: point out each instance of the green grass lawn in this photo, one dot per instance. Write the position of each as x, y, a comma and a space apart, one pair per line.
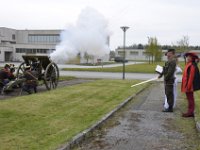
135, 68
66, 78
47, 120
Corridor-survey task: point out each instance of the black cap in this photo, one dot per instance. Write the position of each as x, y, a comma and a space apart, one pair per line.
7, 66
170, 50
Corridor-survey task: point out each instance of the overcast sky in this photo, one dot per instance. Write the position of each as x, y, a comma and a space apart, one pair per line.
168, 20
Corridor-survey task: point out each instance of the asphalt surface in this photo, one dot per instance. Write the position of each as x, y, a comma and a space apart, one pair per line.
100, 75
141, 126
111, 75
61, 66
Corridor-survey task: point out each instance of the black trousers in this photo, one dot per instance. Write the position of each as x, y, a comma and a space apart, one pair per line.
169, 92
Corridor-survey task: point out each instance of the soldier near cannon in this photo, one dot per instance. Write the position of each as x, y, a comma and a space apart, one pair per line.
6, 75
30, 80
12, 70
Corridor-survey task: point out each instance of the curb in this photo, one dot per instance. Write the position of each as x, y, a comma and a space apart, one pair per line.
197, 124
81, 136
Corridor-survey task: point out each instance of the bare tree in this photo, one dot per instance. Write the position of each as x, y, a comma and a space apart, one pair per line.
183, 45
153, 50
88, 57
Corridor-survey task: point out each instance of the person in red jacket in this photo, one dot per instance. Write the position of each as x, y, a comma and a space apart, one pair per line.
190, 82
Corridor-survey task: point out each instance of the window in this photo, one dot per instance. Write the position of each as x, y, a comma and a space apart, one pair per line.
134, 53
145, 53
43, 38
120, 52
31, 51
13, 36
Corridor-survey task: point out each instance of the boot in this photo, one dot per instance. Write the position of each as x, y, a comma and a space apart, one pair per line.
188, 115
168, 110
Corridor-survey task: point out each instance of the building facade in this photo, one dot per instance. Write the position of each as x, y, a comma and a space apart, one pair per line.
135, 54
140, 54
15, 43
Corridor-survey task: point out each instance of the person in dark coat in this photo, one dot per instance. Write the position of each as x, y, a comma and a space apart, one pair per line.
6, 75
31, 80
190, 82
11, 74
169, 78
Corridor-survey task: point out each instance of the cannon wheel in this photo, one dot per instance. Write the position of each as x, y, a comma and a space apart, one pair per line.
20, 70
51, 76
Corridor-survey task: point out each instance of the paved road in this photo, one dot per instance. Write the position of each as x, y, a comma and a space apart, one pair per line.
142, 126
109, 75
104, 66
61, 66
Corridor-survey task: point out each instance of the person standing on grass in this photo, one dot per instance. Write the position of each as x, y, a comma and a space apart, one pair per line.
178, 70
190, 82
168, 72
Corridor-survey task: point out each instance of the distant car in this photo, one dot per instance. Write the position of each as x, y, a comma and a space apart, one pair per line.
120, 59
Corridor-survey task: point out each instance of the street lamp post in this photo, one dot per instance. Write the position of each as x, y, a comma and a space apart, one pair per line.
124, 28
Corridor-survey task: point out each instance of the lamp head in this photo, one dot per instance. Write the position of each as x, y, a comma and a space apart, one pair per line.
124, 28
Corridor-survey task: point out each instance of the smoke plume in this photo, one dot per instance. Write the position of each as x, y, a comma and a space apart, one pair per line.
89, 34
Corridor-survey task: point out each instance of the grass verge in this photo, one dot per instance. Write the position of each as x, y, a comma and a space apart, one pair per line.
47, 120
197, 106
186, 126
66, 78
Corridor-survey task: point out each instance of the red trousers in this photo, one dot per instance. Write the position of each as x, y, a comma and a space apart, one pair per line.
191, 105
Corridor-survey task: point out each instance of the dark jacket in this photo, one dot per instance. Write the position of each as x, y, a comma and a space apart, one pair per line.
169, 71
6, 74
30, 77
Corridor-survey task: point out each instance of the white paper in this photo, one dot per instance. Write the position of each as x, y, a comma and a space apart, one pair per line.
178, 69
159, 69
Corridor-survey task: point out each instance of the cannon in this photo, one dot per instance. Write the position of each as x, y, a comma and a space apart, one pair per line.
47, 70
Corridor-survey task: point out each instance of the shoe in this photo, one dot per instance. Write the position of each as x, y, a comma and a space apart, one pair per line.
188, 115
167, 110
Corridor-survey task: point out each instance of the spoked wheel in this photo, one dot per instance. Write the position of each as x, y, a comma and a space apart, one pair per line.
51, 76
1, 88
21, 70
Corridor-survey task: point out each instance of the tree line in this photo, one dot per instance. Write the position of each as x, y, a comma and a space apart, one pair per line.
153, 49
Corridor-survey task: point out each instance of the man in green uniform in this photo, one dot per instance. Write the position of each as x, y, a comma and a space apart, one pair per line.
169, 72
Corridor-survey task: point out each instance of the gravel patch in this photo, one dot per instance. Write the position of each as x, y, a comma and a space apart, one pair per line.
141, 126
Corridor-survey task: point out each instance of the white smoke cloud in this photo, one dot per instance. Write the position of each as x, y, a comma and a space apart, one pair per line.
89, 34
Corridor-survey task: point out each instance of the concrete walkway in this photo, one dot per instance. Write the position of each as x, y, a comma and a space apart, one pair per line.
142, 126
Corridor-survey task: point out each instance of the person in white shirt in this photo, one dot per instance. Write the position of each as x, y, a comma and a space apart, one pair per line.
166, 105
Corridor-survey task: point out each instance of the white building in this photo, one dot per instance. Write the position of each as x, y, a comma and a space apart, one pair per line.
140, 55
15, 43
134, 54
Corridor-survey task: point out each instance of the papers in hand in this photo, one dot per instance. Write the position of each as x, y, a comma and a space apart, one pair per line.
159, 69
178, 69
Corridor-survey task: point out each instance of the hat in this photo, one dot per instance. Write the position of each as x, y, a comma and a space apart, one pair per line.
194, 55
12, 66
7, 66
27, 67
170, 50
